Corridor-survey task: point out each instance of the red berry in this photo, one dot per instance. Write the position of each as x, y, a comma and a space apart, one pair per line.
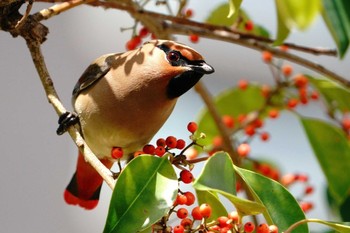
258, 123
243, 84
159, 151
249, 25
171, 141
249, 227
117, 152
182, 213
143, 32
196, 214
205, 210
263, 228
267, 56
192, 127
249, 130
217, 141
273, 229
288, 179
190, 198
186, 222
287, 70
243, 149
149, 149
133, 43
300, 80
284, 48
306, 206
346, 123
194, 38
302, 178
181, 199
309, 189
228, 121
315, 95
186, 176
264, 136
161, 142
180, 144
233, 216
292, 103
179, 229
188, 13
223, 221
273, 113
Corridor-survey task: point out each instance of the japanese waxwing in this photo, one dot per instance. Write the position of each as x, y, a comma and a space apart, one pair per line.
122, 100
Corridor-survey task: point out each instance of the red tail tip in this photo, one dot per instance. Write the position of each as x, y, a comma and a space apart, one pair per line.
73, 200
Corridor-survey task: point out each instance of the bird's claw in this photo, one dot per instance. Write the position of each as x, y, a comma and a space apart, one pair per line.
66, 120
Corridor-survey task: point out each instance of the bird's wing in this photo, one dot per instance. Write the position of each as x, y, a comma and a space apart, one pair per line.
92, 74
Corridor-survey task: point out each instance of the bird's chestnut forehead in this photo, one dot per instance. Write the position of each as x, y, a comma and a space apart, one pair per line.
185, 51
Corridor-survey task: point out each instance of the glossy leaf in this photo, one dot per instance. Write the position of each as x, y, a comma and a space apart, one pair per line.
338, 226
234, 7
332, 150
231, 102
298, 14
218, 177
219, 16
144, 192
336, 15
291, 14
336, 96
282, 209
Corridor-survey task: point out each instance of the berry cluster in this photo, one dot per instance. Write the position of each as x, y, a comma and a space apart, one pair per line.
197, 221
290, 180
137, 38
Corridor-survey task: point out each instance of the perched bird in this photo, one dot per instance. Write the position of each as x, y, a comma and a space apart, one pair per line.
122, 100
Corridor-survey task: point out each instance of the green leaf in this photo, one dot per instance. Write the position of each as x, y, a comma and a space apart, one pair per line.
336, 15
210, 197
232, 102
332, 150
219, 16
338, 226
234, 7
336, 96
281, 207
282, 29
218, 176
298, 14
144, 192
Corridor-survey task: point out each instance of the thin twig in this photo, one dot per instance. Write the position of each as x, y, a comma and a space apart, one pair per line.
24, 17
53, 98
208, 100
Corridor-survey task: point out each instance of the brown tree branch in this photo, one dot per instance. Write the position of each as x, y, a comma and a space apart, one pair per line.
39, 62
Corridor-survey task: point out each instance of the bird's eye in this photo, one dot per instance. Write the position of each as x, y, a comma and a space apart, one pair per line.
173, 56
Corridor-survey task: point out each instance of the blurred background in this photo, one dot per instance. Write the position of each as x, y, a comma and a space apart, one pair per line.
36, 164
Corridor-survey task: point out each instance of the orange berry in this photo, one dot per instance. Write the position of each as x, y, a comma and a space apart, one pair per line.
345, 123
273, 113
287, 70
249, 130
190, 198
233, 216
191, 153
186, 223
315, 95
196, 214
243, 149
133, 43
263, 228
300, 80
205, 210
217, 141
182, 213
188, 13
194, 38
138, 153
243, 84
264, 136
292, 103
306, 206
284, 48
228, 121
249, 227
267, 56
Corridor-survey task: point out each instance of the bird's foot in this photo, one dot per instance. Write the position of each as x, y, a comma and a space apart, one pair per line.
66, 120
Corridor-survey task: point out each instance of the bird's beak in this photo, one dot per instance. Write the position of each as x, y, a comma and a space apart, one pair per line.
202, 67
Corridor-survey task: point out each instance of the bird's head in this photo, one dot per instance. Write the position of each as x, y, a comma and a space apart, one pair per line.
179, 65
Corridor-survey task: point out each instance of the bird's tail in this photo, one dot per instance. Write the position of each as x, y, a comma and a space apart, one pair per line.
85, 186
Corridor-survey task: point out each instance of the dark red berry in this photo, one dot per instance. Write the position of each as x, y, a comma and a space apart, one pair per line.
117, 152
192, 127
159, 151
182, 213
186, 176
171, 141
149, 149
180, 144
